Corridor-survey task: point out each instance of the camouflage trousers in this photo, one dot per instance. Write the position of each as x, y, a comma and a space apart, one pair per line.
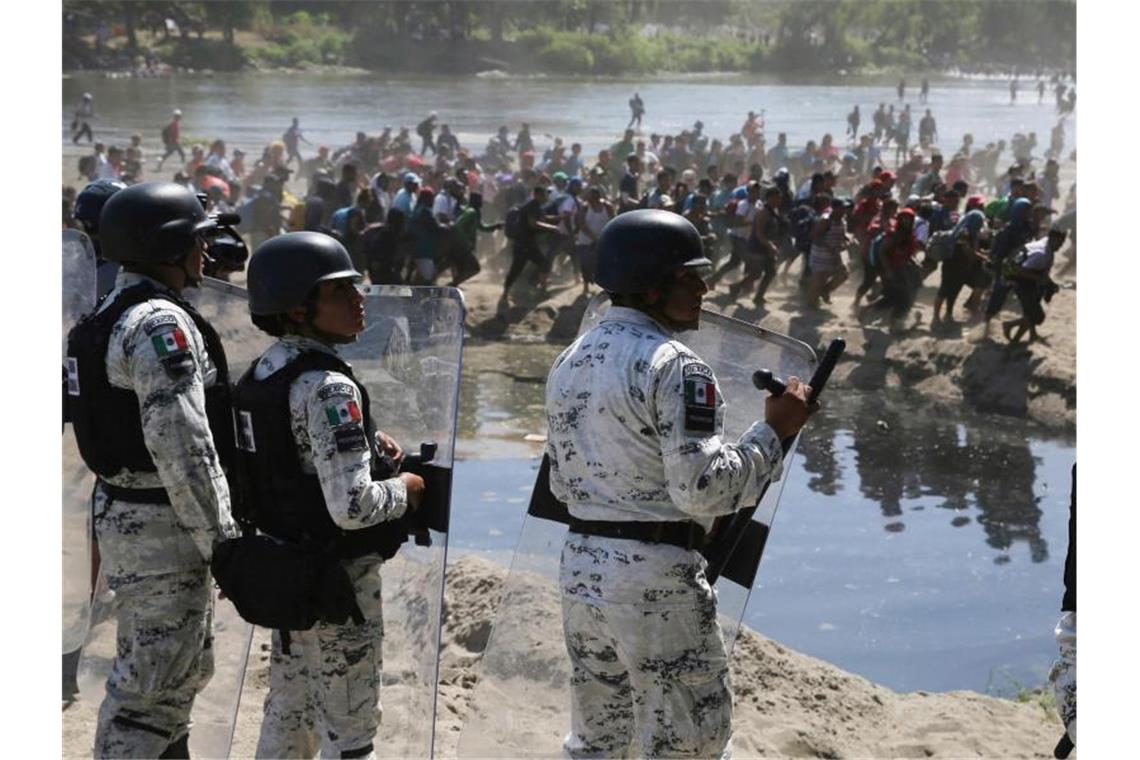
164, 659
650, 673
1064, 673
328, 685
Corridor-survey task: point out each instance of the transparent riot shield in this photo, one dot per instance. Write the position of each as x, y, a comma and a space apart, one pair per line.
409, 359
214, 715
521, 705
79, 288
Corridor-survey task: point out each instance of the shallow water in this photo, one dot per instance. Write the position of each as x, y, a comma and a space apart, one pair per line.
921, 547
248, 110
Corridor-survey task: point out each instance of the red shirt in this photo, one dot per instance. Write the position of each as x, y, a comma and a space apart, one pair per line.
899, 248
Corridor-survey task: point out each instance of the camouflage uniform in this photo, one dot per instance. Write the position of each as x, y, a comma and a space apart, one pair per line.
330, 679
156, 556
635, 422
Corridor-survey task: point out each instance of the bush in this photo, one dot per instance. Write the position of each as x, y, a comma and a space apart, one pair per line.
893, 56
706, 54
217, 55
566, 57
620, 52
538, 38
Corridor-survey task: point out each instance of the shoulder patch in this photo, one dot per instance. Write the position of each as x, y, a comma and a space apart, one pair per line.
701, 399
700, 391
178, 366
350, 438
697, 369
335, 389
169, 342
345, 412
159, 320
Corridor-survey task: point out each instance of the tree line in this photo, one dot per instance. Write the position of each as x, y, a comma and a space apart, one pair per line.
601, 36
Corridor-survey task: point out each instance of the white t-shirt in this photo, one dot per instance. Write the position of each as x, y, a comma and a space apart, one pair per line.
568, 205
105, 170
746, 210
444, 205
594, 221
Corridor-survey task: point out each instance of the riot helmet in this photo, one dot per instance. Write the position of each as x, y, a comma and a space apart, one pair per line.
285, 269
638, 249
90, 201
152, 223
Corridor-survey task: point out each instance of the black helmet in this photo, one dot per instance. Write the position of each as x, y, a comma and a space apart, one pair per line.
151, 223
285, 268
90, 201
638, 248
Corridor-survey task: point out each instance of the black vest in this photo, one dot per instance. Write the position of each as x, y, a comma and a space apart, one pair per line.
106, 419
277, 496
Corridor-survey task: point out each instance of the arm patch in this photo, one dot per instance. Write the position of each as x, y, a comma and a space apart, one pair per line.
701, 397
172, 348
335, 389
700, 419
350, 438
162, 319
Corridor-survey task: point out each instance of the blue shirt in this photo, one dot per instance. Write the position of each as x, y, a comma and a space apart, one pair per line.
403, 201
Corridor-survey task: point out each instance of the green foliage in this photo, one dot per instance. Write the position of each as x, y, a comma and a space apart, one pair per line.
621, 53
215, 54
566, 56
302, 39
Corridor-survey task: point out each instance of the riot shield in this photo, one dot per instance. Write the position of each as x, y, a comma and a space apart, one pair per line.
521, 705
409, 359
79, 287
214, 715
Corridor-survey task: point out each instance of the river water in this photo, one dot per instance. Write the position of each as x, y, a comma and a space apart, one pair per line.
248, 110
919, 547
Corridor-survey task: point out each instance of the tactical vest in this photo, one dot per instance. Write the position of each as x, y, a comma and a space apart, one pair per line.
277, 496
106, 419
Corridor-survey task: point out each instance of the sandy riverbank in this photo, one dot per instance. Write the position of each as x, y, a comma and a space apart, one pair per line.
786, 704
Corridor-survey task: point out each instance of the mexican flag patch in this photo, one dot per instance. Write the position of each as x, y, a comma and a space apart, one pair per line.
700, 392
170, 343
343, 413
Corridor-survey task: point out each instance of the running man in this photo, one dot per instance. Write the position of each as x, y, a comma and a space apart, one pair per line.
637, 109
292, 139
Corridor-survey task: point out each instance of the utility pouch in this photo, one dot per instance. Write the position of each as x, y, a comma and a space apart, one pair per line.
281, 585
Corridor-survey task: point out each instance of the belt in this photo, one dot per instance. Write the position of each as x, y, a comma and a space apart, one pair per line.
135, 495
685, 534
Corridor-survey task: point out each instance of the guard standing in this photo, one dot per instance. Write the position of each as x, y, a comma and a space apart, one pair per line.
317, 474
88, 206
149, 400
636, 452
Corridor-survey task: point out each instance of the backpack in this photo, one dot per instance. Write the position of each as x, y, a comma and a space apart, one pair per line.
940, 247
168, 134
512, 222
802, 218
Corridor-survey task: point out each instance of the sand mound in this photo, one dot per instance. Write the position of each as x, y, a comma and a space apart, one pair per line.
787, 704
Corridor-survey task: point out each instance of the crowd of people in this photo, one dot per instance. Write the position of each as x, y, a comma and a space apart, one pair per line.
410, 210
